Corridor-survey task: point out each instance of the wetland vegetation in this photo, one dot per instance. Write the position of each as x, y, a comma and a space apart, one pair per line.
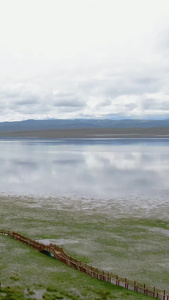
132, 247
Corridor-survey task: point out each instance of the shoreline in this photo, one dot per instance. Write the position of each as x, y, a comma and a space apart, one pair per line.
90, 133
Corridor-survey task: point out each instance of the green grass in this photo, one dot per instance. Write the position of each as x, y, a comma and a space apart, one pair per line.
94, 291
132, 247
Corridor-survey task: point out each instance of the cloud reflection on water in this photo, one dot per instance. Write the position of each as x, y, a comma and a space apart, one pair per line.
102, 170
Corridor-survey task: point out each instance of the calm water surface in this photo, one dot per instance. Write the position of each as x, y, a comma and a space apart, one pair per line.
99, 168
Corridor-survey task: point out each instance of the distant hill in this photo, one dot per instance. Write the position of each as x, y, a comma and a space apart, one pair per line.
80, 123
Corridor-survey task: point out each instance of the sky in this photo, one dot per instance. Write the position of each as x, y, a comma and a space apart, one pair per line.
84, 59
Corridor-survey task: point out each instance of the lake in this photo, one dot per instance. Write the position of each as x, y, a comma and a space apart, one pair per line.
98, 168
103, 200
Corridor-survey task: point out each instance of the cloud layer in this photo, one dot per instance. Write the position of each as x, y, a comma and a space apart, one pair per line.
88, 58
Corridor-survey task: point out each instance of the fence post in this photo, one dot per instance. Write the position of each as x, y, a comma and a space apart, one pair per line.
103, 275
164, 295
116, 279
144, 288
154, 292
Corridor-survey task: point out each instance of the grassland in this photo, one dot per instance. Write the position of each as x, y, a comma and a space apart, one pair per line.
97, 232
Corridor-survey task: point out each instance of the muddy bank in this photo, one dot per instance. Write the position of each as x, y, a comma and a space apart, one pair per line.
91, 133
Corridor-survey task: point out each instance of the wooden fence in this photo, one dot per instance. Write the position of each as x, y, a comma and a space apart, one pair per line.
58, 253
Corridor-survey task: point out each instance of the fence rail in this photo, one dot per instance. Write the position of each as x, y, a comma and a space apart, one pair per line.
61, 255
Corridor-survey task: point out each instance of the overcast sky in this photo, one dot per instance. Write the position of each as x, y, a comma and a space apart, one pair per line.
84, 59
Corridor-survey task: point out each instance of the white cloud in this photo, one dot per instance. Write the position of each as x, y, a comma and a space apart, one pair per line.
103, 57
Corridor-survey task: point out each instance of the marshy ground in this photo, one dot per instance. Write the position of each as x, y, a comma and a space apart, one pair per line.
131, 242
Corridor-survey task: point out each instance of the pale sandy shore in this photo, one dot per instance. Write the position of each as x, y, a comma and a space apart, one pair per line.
90, 133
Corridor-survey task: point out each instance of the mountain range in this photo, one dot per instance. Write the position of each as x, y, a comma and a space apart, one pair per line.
52, 124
